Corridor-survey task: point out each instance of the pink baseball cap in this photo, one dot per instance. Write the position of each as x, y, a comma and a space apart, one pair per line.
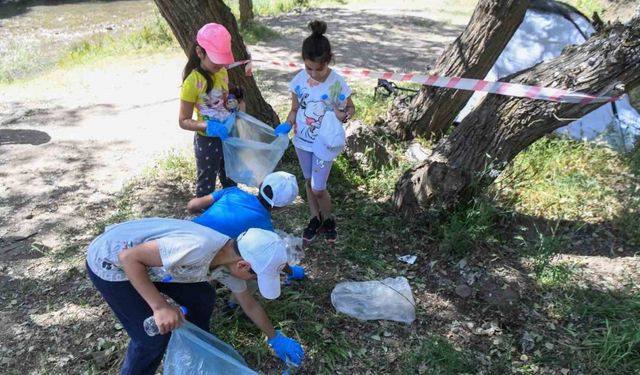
216, 41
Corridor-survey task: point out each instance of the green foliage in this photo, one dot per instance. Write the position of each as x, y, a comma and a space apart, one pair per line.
588, 7
17, 60
436, 356
560, 178
369, 107
466, 226
607, 324
152, 38
275, 7
256, 32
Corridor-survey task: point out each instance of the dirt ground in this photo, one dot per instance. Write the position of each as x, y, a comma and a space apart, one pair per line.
70, 140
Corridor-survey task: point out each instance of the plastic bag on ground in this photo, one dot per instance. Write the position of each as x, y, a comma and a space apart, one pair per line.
192, 351
252, 150
388, 299
295, 253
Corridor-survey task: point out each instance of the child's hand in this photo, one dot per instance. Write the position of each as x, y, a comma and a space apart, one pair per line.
341, 115
167, 318
282, 129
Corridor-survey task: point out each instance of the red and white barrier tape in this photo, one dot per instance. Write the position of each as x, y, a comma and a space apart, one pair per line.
492, 87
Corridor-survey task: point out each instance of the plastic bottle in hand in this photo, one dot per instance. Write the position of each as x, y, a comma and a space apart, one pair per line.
150, 326
232, 103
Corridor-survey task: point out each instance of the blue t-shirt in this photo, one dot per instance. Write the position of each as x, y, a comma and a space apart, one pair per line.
234, 211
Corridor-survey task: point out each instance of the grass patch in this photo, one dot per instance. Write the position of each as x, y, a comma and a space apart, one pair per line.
276, 7
20, 58
587, 7
256, 32
369, 107
607, 327
154, 37
466, 226
558, 178
436, 356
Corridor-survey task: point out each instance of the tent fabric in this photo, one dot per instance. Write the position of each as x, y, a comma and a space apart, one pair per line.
548, 27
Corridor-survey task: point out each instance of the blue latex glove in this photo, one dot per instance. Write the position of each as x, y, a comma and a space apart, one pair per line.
286, 348
217, 129
283, 128
297, 273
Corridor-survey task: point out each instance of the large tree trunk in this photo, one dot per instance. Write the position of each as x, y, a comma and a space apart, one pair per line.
185, 17
472, 55
246, 13
501, 127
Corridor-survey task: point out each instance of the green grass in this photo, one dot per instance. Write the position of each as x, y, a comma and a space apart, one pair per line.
18, 60
369, 107
606, 327
154, 37
587, 7
466, 226
256, 32
276, 7
563, 179
437, 356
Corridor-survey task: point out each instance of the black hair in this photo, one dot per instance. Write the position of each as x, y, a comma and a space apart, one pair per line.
268, 191
193, 63
316, 47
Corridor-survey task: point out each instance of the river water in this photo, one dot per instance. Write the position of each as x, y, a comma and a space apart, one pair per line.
34, 34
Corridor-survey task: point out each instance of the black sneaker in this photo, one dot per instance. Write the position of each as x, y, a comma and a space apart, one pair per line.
329, 227
311, 230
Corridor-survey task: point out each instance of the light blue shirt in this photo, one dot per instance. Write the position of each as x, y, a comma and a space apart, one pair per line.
234, 211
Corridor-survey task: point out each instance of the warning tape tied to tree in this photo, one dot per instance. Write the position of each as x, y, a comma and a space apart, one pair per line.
492, 87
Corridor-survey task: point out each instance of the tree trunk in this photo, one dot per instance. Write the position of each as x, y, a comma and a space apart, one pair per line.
492, 135
246, 13
471, 55
186, 17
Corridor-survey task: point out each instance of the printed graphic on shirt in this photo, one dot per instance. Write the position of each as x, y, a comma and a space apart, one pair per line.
314, 110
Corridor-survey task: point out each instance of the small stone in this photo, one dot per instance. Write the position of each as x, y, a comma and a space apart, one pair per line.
463, 291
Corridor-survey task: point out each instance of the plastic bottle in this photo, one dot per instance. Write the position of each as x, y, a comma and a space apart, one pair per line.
291, 368
150, 326
342, 103
232, 103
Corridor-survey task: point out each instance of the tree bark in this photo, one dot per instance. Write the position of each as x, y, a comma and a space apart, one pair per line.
491, 136
471, 55
186, 17
246, 12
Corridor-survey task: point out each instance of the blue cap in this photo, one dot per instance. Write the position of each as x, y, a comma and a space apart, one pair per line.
167, 279
324, 97
341, 97
184, 310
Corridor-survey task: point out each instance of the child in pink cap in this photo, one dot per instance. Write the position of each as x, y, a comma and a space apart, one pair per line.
205, 87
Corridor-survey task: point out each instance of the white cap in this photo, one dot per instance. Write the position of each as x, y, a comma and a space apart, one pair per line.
267, 254
330, 140
283, 186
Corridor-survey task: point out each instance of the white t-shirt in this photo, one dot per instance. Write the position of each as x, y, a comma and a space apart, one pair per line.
186, 251
314, 99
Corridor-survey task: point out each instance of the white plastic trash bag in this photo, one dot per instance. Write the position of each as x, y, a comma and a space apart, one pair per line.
192, 351
252, 150
388, 299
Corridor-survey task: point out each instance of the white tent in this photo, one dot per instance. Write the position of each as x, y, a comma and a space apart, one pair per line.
548, 27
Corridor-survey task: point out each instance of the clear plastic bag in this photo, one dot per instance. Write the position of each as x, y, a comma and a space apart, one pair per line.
388, 299
252, 150
194, 351
295, 253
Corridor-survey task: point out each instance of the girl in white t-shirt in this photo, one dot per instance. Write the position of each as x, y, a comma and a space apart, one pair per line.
316, 90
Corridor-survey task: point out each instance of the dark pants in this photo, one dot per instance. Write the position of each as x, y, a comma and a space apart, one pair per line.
209, 165
145, 352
